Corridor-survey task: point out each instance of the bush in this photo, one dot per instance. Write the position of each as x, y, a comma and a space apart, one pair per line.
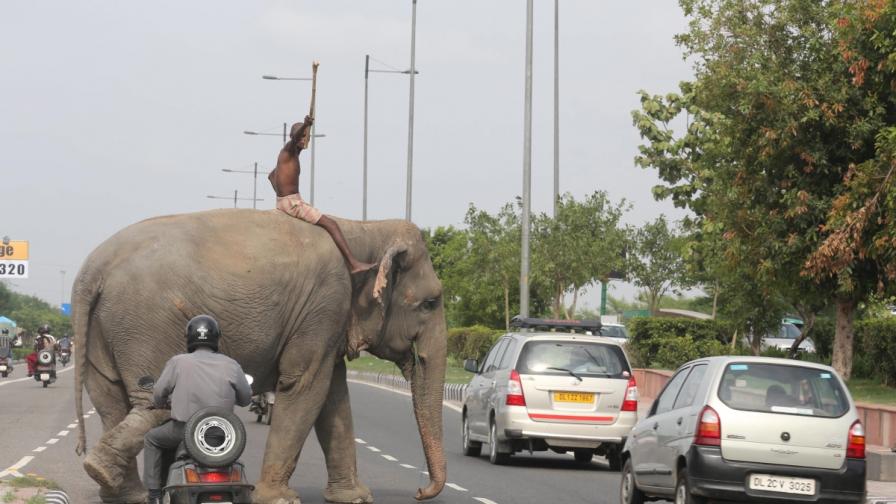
822, 335
471, 342
20, 353
668, 343
874, 352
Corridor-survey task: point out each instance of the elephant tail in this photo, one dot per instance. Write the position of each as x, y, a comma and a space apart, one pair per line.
86, 293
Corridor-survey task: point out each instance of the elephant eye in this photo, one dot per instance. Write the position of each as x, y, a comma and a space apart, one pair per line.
430, 304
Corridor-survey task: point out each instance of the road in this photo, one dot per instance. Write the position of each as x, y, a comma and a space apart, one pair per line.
39, 423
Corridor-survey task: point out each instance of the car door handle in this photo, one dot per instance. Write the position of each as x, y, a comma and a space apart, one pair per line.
656, 425
678, 421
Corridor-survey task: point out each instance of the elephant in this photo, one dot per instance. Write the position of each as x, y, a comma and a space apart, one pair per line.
289, 312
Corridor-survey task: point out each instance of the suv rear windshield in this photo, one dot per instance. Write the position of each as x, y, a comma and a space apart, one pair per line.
582, 358
775, 388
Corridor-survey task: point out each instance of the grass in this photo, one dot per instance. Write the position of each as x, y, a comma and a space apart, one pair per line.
9, 496
37, 499
872, 391
32, 482
454, 373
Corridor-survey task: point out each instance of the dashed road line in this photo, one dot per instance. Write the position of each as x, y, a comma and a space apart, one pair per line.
72, 426
373, 449
86, 416
39, 449
456, 487
390, 458
407, 466
360, 441
483, 500
63, 433
52, 441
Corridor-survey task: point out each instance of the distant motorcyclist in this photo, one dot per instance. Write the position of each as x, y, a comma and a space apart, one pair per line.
44, 341
65, 343
6, 344
192, 381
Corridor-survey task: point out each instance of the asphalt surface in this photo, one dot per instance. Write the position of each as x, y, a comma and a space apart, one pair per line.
39, 423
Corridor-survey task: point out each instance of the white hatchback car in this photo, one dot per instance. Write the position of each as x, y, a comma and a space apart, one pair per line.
550, 391
748, 429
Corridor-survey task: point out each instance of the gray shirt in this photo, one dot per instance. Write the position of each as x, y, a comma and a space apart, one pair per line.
201, 379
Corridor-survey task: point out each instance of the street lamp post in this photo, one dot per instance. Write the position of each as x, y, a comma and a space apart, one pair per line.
235, 198
254, 173
411, 111
527, 169
367, 72
556, 106
62, 290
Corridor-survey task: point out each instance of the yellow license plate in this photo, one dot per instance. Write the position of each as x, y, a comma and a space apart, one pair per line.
574, 397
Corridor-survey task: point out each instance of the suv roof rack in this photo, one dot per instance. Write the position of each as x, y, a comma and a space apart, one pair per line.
592, 326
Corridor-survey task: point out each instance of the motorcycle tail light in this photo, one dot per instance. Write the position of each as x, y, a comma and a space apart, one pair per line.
214, 477
191, 475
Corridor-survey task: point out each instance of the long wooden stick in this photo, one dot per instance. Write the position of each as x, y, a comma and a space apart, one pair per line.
313, 96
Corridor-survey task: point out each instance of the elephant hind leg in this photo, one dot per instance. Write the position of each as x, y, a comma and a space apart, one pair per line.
112, 462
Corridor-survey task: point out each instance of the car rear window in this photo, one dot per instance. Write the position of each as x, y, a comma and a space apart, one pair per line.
776, 388
583, 358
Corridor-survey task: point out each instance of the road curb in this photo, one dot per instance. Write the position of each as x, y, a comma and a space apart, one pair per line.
453, 392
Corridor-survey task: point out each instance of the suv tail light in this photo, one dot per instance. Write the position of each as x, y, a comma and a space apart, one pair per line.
515, 395
709, 428
630, 403
855, 448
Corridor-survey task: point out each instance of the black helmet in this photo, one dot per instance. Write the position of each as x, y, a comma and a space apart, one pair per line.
44, 329
202, 330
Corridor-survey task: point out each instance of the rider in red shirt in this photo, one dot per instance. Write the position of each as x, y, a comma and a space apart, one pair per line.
44, 341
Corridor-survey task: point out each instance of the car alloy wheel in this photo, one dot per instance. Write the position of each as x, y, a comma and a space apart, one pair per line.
683, 491
471, 448
494, 456
628, 489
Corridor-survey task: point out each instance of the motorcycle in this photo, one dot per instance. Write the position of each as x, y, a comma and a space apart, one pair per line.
45, 370
65, 355
5, 366
205, 468
263, 407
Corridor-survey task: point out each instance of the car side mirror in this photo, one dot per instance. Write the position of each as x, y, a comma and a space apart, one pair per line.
471, 365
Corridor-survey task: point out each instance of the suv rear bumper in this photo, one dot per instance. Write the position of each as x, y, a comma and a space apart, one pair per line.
712, 476
514, 423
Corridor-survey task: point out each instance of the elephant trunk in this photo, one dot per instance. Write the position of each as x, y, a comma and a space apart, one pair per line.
427, 388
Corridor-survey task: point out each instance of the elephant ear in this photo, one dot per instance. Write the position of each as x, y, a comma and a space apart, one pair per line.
369, 302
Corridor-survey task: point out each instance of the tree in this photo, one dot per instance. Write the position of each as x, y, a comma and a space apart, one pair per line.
771, 132
655, 261
583, 243
495, 243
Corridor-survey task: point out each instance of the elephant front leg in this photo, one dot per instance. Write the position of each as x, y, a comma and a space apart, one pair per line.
337, 439
298, 403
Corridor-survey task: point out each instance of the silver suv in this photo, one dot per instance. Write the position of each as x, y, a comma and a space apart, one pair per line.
748, 429
543, 391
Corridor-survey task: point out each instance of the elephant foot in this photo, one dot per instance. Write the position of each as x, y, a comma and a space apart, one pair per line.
103, 465
268, 493
358, 494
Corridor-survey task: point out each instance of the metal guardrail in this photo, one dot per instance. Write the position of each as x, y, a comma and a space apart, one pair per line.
453, 391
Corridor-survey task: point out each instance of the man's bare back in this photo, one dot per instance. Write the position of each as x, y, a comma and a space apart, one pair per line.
285, 180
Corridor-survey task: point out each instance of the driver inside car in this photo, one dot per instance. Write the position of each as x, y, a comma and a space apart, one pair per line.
198, 379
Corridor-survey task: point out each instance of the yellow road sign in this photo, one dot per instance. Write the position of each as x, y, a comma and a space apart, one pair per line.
14, 250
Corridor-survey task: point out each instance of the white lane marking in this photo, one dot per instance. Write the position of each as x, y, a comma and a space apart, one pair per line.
456, 487
52, 441
483, 500
63, 433
13, 470
91, 412
7, 382
360, 441
390, 458
425, 472
72, 426
402, 392
373, 448
39, 449
86, 416
407, 466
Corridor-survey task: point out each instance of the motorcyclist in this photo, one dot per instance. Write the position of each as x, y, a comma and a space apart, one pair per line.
44, 341
6, 344
198, 379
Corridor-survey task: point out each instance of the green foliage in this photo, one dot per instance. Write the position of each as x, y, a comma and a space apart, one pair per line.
664, 342
31, 312
20, 353
471, 342
876, 341
655, 262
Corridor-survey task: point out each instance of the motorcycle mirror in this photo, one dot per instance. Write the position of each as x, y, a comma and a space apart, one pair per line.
249, 379
146, 382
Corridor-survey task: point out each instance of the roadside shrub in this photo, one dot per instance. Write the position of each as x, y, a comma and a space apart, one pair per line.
874, 353
20, 353
471, 342
668, 343
822, 334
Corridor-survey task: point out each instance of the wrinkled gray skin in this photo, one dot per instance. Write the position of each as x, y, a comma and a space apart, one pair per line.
289, 312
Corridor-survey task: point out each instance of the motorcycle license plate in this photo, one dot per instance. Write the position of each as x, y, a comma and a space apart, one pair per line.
44, 376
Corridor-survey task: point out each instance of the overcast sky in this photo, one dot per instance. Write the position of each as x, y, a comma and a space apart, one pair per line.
112, 112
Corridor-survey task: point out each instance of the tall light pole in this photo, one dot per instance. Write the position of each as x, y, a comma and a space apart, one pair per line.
254, 173
527, 169
407, 211
367, 72
62, 290
235, 198
556, 106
